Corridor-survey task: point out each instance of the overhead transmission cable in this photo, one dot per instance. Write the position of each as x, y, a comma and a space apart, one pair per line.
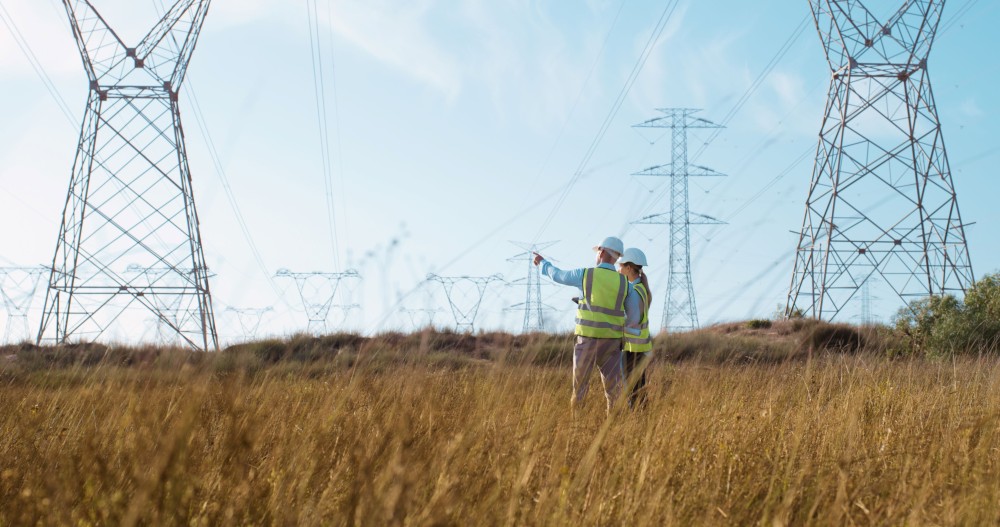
755, 85
968, 5
661, 24
583, 89
224, 179
319, 88
346, 231
36, 65
563, 189
741, 102
580, 172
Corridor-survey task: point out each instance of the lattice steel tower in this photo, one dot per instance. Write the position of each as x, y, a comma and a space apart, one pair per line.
465, 295
881, 200
317, 290
130, 197
532, 306
680, 312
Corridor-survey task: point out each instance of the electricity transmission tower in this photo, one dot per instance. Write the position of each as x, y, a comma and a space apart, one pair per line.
881, 202
465, 294
422, 317
17, 289
533, 307
249, 319
317, 291
680, 312
130, 195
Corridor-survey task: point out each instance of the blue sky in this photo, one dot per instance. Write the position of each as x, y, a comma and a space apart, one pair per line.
451, 121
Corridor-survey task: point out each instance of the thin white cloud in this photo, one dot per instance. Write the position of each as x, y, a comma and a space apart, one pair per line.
398, 34
532, 68
970, 108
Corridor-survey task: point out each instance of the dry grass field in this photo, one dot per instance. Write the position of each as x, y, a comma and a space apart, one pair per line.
423, 430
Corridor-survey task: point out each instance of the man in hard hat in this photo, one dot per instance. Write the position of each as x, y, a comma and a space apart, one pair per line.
636, 348
607, 305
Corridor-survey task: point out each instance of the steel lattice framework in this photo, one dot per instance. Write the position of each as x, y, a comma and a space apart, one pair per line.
680, 311
420, 318
471, 286
130, 196
533, 307
317, 291
881, 202
249, 319
17, 290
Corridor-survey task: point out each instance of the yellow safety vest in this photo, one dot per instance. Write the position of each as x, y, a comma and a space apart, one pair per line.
642, 342
601, 312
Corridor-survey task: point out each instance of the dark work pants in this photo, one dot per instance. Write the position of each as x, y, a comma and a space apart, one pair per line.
634, 370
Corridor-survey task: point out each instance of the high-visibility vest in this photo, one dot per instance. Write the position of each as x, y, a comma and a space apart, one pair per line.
642, 342
601, 312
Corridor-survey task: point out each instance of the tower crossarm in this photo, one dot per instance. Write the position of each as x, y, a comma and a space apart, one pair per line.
668, 120
668, 171
664, 218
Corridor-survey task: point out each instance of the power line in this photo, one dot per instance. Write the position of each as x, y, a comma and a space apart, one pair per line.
615, 106
579, 95
962, 11
741, 102
36, 65
755, 85
319, 89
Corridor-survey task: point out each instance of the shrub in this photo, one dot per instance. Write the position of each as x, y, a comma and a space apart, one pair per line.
759, 323
943, 325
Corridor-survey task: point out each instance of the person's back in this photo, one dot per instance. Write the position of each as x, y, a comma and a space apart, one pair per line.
601, 310
608, 305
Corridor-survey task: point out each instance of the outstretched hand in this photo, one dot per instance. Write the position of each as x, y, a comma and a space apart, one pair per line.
538, 258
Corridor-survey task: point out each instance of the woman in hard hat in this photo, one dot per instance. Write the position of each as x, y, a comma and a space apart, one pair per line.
636, 348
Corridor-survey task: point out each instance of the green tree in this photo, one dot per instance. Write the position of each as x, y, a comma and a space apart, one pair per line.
942, 325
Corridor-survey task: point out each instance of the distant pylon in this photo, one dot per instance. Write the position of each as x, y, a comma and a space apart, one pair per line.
881, 200
130, 196
249, 319
317, 291
465, 295
534, 319
17, 289
420, 318
680, 312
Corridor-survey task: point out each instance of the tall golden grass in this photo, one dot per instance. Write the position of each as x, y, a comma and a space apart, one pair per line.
419, 440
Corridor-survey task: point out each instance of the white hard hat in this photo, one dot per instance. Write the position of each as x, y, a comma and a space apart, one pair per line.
612, 244
633, 256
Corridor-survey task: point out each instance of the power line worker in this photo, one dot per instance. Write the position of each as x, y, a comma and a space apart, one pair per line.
636, 348
607, 305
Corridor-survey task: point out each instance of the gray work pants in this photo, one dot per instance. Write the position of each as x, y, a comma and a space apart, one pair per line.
606, 354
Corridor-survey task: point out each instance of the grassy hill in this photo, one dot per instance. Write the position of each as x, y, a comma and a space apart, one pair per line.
748, 423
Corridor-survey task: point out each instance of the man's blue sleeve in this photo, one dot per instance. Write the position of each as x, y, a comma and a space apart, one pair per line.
573, 277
